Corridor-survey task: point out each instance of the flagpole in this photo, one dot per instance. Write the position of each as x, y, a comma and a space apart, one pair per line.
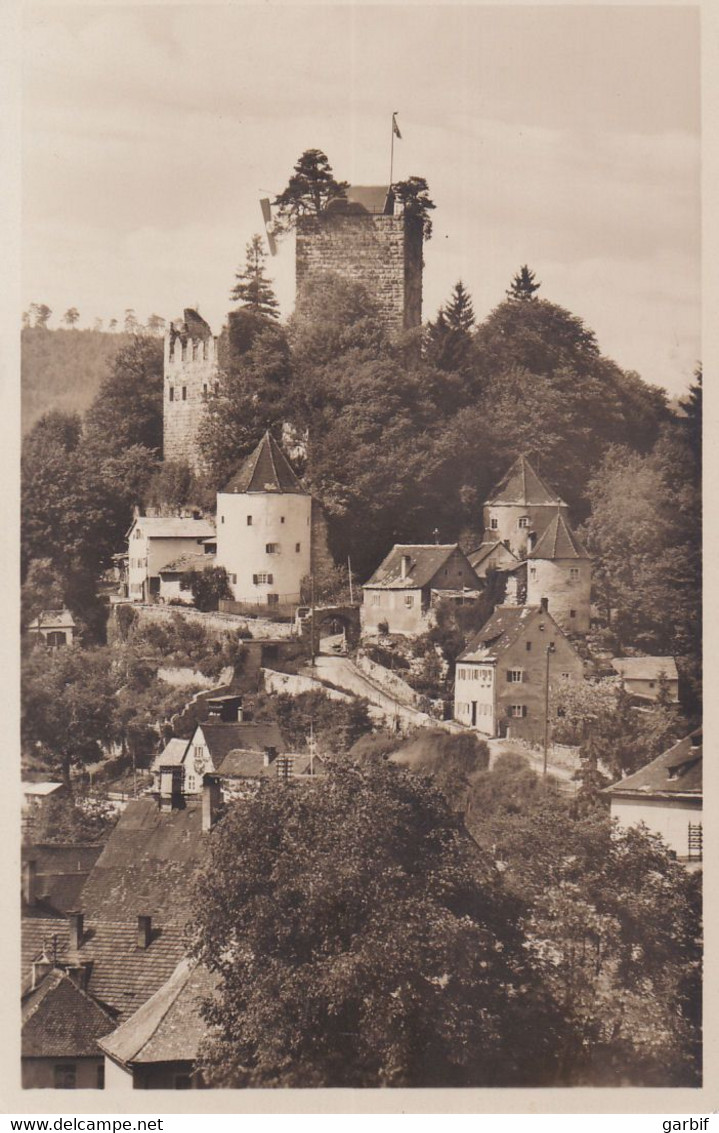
391, 152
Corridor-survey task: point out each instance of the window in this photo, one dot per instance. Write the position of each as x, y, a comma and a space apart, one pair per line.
652, 684
262, 579
233, 579
541, 627
572, 613
409, 600
376, 599
282, 519
222, 519
65, 1076
184, 393
515, 676
297, 548
172, 393
518, 711
533, 574
574, 573
273, 599
524, 521
184, 352
172, 350
204, 392
272, 548
204, 349
493, 524
564, 676
190, 783
249, 521
528, 646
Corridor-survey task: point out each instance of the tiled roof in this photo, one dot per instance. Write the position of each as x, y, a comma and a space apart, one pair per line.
169, 1027
425, 561
477, 557
60, 873
173, 527
122, 974
266, 470
677, 771
251, 765
147, 865
60, 1020
558, 542
223, 738
645, 668
53, 619
372, 197
505, 626
522, 485
190, 560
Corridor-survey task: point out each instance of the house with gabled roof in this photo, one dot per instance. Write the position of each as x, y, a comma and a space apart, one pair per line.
264, 529
404, 586
54, 627
505, 677
491, 555
173, 583
210, 747
644, 677
667, 796
155, 541
61, 1026
520, 508
559, 569
157, 1047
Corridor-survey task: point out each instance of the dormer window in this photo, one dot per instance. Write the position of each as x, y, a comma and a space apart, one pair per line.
524, 521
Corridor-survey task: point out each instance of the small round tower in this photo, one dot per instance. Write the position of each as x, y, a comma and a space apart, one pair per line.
560, 570
520, 506
264, 529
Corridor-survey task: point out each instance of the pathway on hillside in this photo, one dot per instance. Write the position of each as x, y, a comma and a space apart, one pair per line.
344, 674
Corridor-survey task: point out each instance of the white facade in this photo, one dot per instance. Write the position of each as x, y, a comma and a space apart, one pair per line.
264, 544
153, 543
474, 699
670, 818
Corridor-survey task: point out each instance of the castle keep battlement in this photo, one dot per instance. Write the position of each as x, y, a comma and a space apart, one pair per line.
190, 372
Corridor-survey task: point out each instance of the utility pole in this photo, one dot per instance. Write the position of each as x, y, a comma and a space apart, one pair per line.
349, 569
549, 651
312, 615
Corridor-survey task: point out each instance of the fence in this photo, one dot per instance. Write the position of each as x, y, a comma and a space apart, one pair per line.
285, 607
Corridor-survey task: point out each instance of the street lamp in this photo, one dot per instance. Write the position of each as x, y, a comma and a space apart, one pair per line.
549, 650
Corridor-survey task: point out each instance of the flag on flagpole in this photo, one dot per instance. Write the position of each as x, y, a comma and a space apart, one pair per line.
395, 127
267, 217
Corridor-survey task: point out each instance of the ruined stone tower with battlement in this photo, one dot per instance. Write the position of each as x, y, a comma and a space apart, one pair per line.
367, 239
190, 373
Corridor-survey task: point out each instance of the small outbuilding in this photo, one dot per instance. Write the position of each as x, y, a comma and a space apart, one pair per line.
643, 677
409, 580
55, 627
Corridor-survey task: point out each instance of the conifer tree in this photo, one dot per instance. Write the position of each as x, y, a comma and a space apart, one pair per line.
253, 290
459, 312
523, 286
311, 186
449, 338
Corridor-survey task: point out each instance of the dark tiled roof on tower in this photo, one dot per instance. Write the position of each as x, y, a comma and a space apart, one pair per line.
266, 470
522, 485
558, 542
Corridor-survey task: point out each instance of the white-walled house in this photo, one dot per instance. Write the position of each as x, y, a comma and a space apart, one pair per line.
643, 676
666, 795
155, 541
264, 529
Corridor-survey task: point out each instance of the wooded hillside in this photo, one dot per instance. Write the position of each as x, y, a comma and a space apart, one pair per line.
62, 369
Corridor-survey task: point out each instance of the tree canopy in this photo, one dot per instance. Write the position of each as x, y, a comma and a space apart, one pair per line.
311, 186
363, 941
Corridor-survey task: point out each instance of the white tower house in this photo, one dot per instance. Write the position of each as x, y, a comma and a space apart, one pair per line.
264, 528
520, 508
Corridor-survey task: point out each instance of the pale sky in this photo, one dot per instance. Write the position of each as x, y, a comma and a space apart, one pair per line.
562, 137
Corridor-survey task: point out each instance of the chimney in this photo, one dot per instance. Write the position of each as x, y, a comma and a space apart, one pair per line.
544, 603
76, 930
211, 800
29, 881
405, 563
144, 931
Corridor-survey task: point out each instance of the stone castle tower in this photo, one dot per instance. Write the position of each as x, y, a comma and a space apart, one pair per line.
190, 374
559, 570
264, 529
367, 238
520, 508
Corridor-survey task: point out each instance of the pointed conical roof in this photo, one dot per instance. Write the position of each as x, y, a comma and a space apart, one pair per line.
266, 470
558, 542
522, 485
